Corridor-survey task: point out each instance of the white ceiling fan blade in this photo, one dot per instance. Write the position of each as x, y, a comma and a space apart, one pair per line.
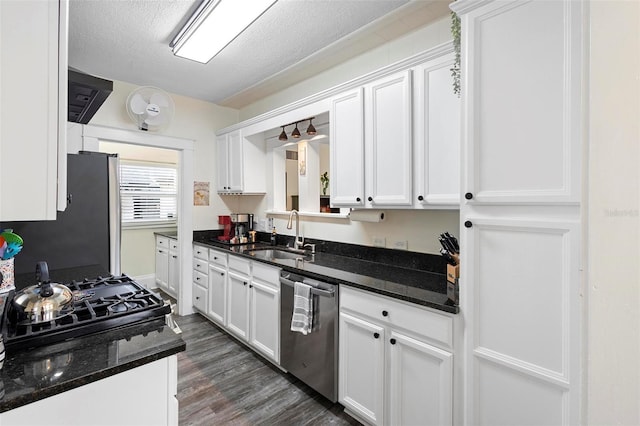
159, 99
138, 104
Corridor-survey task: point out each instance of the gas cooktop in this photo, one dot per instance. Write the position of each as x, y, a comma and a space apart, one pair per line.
100, 304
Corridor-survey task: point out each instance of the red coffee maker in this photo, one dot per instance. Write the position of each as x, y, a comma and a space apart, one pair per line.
228, 232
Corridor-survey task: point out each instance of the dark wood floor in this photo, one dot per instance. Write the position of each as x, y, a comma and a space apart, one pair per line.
222, 382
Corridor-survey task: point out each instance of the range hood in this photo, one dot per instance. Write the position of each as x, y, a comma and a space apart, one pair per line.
86, 95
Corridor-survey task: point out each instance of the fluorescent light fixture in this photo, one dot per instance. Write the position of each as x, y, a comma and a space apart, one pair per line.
214, 25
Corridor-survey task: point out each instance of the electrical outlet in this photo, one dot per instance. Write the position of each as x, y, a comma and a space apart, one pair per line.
379, 242
400, 245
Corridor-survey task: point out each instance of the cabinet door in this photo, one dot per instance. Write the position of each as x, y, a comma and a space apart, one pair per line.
217, 294
235, 161
419, 382
388, 152
199, 298
30, 81
173, 280
347, 149
238, 299
265, 319
361, 376
162, 267
523, 110
222, 150
437, 139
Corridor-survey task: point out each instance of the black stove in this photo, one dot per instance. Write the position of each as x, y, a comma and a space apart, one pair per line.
100, 304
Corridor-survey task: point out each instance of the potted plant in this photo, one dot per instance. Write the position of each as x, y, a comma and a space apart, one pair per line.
324, 180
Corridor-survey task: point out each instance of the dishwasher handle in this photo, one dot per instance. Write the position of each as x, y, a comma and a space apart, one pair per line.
314, 290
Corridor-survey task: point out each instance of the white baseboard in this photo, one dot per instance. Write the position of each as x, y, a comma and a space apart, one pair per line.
148, 281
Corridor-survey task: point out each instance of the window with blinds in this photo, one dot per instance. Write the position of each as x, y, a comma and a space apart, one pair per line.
148, 193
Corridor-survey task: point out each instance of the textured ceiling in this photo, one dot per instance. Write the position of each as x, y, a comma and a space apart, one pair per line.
128, 40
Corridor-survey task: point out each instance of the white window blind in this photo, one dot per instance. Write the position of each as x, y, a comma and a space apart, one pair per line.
148, 193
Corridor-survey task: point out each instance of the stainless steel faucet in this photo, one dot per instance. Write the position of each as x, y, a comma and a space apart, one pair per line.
299, 241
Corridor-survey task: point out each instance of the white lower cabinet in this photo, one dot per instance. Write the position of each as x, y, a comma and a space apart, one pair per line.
162, 262
264, 310
173, 281
200, 278
153, 385
217, 294
238, 302
396, 361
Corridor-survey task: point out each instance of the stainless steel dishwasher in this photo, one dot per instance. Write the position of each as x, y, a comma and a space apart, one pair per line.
312, 358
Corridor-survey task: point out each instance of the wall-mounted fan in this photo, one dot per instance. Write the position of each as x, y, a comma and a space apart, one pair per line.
150, 108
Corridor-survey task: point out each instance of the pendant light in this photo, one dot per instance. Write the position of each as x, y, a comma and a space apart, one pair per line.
296, 133
311, 130
283, 136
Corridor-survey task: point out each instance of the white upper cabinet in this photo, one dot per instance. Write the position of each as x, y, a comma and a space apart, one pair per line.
347, 149
437, 135
33, 111
523, 109
371, 160
388, 141
241, 164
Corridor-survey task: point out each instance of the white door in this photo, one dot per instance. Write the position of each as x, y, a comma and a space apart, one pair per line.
217, 294
238, 299
347, 149
222, 150
162, 267
437, 138
361, 368
265, 319
420, 378
235, 162
388, 141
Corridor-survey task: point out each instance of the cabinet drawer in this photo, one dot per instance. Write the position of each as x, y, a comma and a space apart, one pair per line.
162, 242
200, 298
201, 252
200, 278
436, 327
173, 244
218, 257
266, 274
200, 265
240, 265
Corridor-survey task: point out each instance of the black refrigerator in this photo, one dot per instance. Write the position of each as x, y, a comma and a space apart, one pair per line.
87, 233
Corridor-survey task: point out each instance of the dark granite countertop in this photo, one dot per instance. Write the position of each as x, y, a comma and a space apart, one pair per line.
29, 376
168, 234
368, 271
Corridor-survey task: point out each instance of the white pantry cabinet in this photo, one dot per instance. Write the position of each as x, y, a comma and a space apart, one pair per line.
241, 164
521, 224
396, 361
371, 144
437, 135
33, 107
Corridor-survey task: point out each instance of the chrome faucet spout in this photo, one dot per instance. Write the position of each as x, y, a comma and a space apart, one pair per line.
299, 241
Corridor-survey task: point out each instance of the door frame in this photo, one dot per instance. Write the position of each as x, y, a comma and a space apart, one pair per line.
92, 134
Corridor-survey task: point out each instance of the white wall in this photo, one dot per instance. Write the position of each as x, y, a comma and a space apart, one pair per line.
419, 228
193, 119
613, 334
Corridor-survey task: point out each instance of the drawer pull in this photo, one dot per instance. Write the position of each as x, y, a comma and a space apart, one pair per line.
385, 313
197, 265
175, 257
468, 224
376, 335
197, 297
392, 341
215, 258
244, 282
221, 273
197, 278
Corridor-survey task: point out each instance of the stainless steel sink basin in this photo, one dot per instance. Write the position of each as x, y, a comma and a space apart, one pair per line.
271, 253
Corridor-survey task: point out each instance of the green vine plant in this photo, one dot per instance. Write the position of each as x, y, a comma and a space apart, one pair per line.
455, 71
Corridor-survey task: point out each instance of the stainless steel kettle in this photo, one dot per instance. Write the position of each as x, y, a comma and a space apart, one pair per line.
43, 302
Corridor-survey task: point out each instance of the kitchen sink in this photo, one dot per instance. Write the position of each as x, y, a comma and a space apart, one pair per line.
271, 253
